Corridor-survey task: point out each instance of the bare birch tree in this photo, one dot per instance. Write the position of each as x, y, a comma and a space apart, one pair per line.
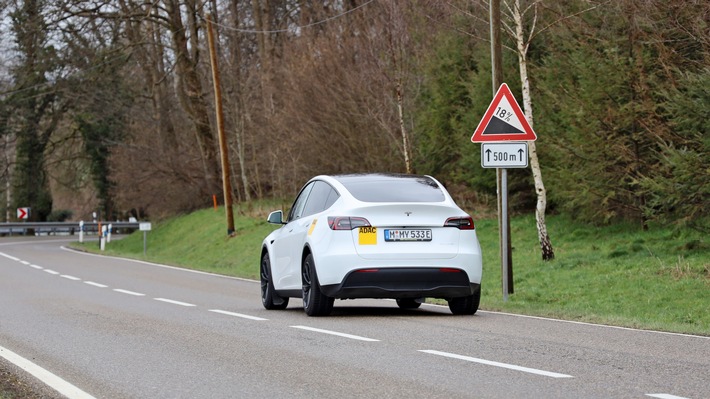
522, 41
517, 31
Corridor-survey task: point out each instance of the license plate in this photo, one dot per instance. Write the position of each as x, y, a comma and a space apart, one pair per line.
407, 235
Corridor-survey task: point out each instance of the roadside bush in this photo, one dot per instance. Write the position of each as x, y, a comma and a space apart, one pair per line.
61, 215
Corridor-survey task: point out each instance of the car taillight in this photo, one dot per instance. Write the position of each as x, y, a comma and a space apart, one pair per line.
346, 222
460, 223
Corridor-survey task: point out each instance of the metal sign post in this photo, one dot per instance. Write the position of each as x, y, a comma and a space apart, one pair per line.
145, 228
504, 232
503, 132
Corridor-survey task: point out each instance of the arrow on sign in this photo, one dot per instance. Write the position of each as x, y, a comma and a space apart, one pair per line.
23, 213
504, 155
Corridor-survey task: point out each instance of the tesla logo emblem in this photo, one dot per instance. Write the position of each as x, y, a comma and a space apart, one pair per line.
408, 213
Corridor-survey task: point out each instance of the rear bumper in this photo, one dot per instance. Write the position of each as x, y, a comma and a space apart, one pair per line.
403, 282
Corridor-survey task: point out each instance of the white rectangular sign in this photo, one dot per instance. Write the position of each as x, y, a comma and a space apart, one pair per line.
23, 213
144, 226
504, 155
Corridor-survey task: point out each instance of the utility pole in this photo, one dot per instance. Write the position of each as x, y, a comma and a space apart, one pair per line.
501, 174
226, 179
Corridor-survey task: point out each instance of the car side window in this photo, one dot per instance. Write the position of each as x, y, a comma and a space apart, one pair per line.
319, 198
332, 197
300, 203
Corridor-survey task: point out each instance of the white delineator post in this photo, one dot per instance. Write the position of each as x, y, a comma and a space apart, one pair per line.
102, 240
81, 231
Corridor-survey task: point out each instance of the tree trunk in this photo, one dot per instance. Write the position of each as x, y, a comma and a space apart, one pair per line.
397, 37
402, 126
192, 99
240, 108
262, 10
522, 47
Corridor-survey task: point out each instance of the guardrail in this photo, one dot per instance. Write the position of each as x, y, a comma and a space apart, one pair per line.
62, 228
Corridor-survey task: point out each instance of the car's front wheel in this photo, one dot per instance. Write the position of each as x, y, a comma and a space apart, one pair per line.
466, 305
314, 302
269, 298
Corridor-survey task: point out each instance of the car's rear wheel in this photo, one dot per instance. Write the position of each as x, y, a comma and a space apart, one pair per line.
314, 302
408, 303
269, 298
466, 305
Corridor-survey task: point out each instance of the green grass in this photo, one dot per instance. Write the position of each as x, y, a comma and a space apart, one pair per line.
199, 241
618, 275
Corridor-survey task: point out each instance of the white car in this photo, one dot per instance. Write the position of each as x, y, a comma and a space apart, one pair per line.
372, 236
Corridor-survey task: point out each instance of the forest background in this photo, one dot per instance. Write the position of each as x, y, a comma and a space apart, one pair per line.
106, 105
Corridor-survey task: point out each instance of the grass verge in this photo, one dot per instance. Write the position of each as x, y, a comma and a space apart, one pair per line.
618, 275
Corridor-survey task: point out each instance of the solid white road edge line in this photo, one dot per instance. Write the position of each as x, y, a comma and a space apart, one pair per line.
56, 383
664, 396
174, 302
498, 364
583, 323
243, 316
128, 292
336, 333
142, 262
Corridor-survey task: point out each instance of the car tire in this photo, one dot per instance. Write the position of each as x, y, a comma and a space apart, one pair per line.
408, 303
314, 302
269, 298
466, 305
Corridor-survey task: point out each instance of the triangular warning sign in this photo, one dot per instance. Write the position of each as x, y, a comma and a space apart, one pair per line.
503, 120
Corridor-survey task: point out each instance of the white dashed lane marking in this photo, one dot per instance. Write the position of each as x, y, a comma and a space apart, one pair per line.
95, 284
498, 364
174, 302
243, 316
128, 292
339, 334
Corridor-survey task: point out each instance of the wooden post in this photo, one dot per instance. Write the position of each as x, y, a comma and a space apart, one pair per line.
501, 176
224, 150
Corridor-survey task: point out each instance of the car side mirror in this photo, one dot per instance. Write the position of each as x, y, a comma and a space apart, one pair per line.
276, 217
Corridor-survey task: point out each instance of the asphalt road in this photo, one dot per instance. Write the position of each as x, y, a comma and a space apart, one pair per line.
115, 328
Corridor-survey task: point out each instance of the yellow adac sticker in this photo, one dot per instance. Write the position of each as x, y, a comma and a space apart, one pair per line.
313, 226
367, 235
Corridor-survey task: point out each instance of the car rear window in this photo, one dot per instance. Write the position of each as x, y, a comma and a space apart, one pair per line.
392, 188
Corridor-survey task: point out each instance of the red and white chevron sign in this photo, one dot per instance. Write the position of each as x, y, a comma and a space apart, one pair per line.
23, 213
